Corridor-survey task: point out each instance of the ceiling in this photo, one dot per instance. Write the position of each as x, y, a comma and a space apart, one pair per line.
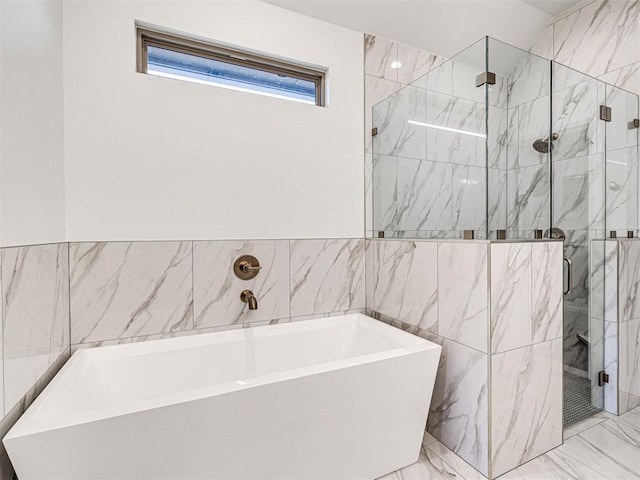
444, 27
553, 7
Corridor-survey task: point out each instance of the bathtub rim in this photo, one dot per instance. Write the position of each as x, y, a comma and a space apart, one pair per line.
30, 424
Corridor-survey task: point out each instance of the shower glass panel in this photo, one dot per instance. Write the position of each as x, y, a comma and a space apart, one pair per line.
454, 150
621, 139
578, 172
521, 122
594, 193
429, 153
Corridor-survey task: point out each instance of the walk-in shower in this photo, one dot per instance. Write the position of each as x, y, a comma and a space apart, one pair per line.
499, 143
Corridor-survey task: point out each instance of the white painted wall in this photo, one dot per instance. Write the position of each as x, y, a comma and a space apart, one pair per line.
154, 158
31, 122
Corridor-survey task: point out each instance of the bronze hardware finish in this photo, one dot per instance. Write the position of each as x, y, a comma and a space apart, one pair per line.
247, 297
246, 267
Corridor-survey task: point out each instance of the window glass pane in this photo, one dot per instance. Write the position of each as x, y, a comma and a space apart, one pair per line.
169, 63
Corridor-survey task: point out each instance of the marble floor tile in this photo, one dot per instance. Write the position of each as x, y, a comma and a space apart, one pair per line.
429, 466
603, 447
554, 466
606, 448
583, 425
458, 464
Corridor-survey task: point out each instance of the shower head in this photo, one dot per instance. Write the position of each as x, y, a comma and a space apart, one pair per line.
542, 145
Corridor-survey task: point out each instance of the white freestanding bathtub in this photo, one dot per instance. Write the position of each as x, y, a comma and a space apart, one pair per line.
334, 398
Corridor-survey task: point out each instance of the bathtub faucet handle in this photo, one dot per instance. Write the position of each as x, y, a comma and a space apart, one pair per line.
249, 298
246, 267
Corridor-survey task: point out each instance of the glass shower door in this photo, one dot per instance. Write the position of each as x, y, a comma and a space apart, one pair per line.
621, 218
578, 215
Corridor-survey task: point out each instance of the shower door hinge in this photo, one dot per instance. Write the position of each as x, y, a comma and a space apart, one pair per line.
603, 378
605, 113
374, 131
486, 77
635, 123
380, 233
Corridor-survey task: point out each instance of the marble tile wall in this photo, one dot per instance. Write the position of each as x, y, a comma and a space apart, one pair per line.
601, 38
628, 325
526, 352
35, 315
438, 290
142, 290
494, 307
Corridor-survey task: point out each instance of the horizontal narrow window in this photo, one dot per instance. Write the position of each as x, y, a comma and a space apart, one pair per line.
182, 58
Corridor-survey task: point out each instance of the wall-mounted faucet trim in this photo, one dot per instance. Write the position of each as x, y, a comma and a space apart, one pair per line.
246, 267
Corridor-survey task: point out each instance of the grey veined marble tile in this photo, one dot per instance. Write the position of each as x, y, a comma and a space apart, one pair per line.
546, 291
400, 122
385, 191
326, 276
528, 198
405, 282
629, 366
429, 466
413, 63
424, 194
216, 288
469, 188
462, 293
453, 136
379, 54
510, 296
601, 37
458, 416
35, 293
127, 289
629, 280
627, 77
526, 403
610, 449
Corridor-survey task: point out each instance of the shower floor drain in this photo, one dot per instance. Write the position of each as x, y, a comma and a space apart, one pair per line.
577, 399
